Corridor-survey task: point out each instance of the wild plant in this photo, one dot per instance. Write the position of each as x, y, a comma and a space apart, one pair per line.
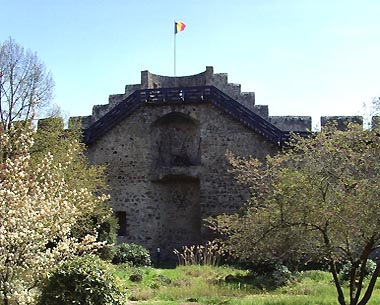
209, 254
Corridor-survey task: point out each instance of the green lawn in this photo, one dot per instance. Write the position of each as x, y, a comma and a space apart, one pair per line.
208, 285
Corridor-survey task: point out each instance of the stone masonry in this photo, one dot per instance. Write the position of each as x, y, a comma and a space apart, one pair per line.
166, 161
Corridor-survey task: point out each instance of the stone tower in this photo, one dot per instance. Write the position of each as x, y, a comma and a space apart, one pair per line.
164, 142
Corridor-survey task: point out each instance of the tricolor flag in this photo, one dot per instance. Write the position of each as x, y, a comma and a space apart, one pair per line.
179, 27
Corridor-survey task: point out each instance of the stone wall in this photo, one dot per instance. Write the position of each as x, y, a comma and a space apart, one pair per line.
166, 163
151, 81
165, 201
341, 122
291, 123
207, 78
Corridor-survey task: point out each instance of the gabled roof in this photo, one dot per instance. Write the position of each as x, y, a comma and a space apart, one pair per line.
200, 94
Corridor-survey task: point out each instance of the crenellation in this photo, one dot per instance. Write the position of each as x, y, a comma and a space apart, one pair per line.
291, 123
341, 122
206, 78
84, 121
247, 99
261, 110
166, 162
45, 124
99, 111
115, 99
129, 89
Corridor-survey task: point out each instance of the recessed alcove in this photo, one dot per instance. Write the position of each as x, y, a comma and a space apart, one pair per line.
175, 139
179, 214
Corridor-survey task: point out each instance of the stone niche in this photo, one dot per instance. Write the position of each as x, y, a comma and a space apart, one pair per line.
175, 141
180, 214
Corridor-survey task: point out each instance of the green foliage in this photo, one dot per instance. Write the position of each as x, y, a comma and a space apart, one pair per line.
315, 275
344, 273
38, 210
317, 199
184, 283
269, 277
280, 275
209, 285
52, 138
133, 254
102, 221
83, 280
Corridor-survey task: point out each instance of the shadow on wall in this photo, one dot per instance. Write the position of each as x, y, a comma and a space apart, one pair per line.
176, 140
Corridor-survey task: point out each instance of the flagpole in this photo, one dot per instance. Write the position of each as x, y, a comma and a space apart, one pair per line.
174, 49
178, 27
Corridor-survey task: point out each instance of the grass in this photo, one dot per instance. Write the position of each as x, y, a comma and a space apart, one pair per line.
225, 286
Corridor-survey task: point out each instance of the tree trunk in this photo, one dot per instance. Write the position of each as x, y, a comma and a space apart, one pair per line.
363, 259
371, 286
353, 288
334, 272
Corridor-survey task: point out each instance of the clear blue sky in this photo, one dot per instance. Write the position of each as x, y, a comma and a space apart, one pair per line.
301, 57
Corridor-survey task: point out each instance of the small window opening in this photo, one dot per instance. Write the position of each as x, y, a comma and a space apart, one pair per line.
122, 221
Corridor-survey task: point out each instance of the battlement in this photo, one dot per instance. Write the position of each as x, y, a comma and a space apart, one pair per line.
155, 81
206, 78
291, 123
220, 81
164, 144
341, 122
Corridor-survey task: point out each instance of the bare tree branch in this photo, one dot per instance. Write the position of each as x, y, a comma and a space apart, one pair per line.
25, 87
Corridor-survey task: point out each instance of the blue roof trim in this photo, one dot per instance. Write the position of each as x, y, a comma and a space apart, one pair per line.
201, 94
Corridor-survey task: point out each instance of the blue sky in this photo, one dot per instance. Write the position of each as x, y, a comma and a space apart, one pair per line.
300, 57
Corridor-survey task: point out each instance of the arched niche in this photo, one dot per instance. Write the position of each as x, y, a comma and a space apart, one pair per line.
176, 140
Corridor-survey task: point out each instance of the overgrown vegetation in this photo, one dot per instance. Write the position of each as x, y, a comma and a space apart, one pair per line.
38, 211
317, 199
52, 138
226, 285
209, 254
132, 254
82, 280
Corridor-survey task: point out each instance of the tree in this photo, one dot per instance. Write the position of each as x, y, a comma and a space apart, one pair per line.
51, 137
38, 209
25, 85
319, 199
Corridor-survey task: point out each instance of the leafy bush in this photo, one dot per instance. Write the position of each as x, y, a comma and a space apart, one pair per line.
83, 280
133, 254
344, 273
271, 276
281, 275
105, 224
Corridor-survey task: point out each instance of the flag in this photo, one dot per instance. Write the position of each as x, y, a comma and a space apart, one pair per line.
179, 27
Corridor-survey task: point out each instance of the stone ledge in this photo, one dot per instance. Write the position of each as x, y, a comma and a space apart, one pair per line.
169, 173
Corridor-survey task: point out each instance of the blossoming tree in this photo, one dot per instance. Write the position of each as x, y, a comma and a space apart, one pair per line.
317, 200
38, 209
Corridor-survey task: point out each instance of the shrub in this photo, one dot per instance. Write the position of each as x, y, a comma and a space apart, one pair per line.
83, 280
281, 275
106, 226
133, 254
271, 276
344, 274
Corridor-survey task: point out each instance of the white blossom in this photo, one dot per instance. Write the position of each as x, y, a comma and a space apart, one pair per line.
37, 208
